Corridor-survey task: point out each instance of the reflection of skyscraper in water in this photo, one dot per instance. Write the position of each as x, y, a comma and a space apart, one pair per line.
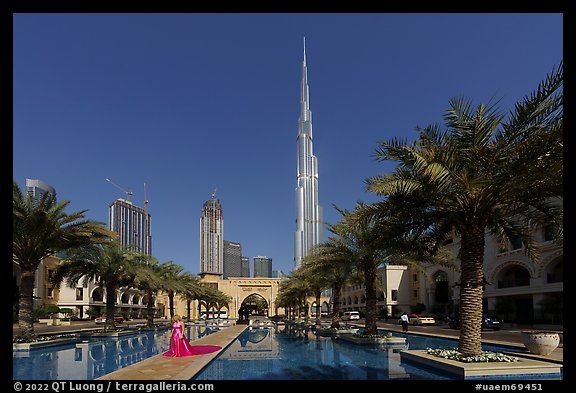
308, 232
212, 237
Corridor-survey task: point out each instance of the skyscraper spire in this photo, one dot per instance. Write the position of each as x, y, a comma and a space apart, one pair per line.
308, 213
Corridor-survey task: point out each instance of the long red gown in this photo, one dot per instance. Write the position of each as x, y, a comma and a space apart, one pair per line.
179, 345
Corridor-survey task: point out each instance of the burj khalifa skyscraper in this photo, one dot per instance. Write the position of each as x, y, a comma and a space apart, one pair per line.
308, 213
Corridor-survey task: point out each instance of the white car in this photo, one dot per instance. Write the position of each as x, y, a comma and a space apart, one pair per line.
350, 315
416, 319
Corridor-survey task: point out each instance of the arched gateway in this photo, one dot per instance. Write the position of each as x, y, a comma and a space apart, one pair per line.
256, 294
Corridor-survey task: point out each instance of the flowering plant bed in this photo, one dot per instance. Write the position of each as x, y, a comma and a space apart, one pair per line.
107, 333
381, 339
484, 357
150, 328
20, 344
336, 331
20, 340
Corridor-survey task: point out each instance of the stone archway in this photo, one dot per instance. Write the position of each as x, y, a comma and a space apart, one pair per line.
254, 305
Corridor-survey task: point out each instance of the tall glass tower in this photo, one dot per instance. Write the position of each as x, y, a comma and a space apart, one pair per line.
132, 224
308, 213
232, 259
36, 188
212, 238
262, 266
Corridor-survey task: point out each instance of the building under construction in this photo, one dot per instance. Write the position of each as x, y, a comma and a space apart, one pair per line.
131, 222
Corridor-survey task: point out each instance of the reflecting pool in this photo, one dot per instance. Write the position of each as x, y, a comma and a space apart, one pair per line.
93, 357
290, 353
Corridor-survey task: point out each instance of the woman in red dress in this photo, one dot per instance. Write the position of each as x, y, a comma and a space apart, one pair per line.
179, 345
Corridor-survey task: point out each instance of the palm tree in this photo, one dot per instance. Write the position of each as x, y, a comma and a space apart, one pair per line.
314, 279
330, 260
212, 298
109, 265
362, 237
172, 282
193, 290
482, 173
40, 229
292, 295
148, 278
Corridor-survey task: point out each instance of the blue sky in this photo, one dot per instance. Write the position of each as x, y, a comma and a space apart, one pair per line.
189, 103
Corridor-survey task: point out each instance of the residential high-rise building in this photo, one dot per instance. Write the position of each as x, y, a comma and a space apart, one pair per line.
262, 266
36, 188
232, 259
308, 212
212, 238
245, 266
132, 224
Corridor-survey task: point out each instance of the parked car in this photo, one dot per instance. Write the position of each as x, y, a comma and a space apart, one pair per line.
350, 315
491, 322
117, 319
416, 319
488, 322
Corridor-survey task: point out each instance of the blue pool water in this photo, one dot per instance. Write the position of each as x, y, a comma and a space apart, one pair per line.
92, 358
280, 353
292, 354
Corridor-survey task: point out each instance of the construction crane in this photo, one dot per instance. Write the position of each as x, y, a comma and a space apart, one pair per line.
145, 202
128, 193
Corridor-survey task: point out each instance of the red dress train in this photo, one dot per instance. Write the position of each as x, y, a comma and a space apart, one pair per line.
179, 345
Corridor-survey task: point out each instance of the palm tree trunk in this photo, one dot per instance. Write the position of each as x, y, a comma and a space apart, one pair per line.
471, 288
336, 307
26, 305
171, 303
370, 281
110, 302
150, 309
318, 306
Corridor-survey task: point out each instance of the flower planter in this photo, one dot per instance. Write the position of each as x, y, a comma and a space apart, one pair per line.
540, 342
388, 341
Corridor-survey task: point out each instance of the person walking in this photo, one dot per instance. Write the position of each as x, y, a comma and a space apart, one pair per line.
404, 320
179, 345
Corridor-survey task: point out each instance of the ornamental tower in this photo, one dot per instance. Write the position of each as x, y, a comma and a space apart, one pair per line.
212, 238
308, 213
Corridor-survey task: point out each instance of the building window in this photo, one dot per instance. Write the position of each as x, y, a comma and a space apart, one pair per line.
550, 232
49, 274
556, 274
517, 243
415, 293
79, 293
394, 295
415, 277
515, 276
50, 293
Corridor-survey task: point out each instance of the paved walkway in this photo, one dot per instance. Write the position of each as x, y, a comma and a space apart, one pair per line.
164, 368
